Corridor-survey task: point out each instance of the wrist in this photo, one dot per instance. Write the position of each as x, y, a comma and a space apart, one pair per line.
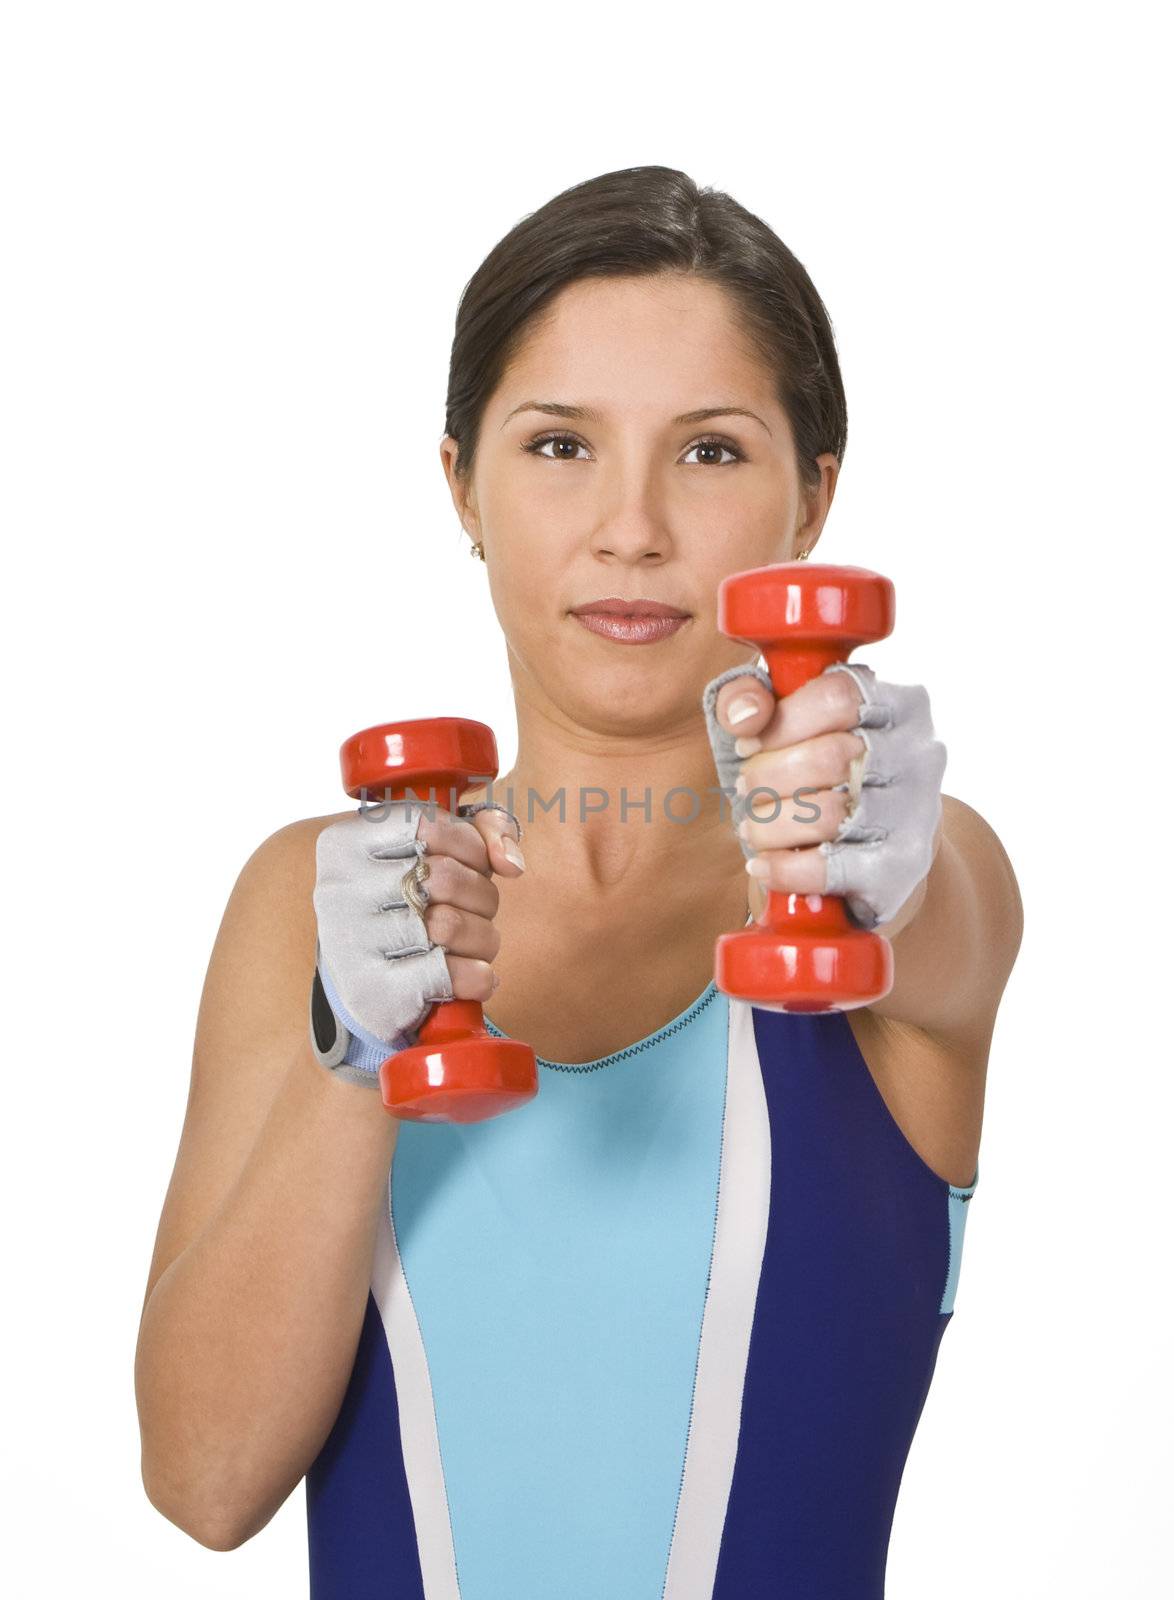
338, 1043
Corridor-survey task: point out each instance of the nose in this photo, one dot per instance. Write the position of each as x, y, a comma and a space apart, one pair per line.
634, 528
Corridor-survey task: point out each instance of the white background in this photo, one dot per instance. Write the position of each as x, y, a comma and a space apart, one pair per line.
236, 237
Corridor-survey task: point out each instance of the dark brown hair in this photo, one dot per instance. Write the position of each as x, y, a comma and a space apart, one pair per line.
634, 222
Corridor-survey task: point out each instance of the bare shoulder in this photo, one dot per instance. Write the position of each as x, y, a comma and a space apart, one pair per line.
989, 864
264, 948
278, 875
252, 1021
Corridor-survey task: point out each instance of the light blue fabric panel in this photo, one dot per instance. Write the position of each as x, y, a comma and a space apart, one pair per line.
557, 1260
959, 1206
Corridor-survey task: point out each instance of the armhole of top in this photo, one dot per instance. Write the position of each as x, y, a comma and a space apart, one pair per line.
896, 1131
957, 1197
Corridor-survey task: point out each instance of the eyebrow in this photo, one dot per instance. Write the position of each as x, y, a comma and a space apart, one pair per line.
555, 408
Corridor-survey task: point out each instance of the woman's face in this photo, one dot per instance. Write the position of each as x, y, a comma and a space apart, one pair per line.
625, 500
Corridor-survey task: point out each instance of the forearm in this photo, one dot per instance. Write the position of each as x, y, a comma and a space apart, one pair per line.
248, 1337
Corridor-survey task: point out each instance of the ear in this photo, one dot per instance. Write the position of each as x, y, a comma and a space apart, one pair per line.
459, 488
818, 501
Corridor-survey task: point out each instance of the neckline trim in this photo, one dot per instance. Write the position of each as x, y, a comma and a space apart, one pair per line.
674, 1025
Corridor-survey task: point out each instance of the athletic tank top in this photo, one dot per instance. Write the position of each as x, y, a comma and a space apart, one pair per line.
663, 1333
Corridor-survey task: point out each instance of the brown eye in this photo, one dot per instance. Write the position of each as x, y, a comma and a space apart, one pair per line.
536, 446
711, 449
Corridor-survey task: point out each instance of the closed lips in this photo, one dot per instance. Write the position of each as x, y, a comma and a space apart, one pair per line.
629, 608
631, 622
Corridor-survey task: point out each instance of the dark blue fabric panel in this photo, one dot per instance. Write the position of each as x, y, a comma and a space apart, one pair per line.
362, 1536
846, 1325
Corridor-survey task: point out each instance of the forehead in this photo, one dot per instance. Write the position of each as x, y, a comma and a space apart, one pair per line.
663, 341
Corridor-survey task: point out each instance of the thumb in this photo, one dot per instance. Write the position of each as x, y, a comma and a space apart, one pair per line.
744, 706
502, 832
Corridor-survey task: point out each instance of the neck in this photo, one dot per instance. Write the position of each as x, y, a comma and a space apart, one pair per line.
598, 806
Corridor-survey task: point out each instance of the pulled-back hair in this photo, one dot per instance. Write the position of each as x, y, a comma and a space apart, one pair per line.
631, 223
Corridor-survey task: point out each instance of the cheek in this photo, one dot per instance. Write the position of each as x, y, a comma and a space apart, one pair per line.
526, 581
744, 543
763, 538
519, 490
531, 531
750, 525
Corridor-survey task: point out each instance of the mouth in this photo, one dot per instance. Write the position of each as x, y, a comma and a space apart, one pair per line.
631, 621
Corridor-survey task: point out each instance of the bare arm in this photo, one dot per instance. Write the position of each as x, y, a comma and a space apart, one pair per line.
258, 1284
956, 938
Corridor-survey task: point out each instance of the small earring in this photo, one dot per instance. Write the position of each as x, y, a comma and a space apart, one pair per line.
802, 556
477, 549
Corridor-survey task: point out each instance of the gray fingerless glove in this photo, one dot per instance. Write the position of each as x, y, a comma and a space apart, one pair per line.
885, 845
377, 974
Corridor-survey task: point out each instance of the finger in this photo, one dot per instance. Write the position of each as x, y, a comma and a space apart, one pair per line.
817, 763
806, 818
471, 979
446, 835
791, 871
450, 882
824, 704
462, 933
743, 705
500, 833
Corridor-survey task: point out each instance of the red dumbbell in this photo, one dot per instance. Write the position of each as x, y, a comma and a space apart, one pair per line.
805, 953
456, 1071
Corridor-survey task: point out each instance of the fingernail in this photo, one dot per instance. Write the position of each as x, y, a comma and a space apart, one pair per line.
758, 868
740, 784
496, 983
747, 745
514, 854
741, 708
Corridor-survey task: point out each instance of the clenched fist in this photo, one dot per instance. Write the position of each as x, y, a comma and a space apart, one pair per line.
405, 902
836, 788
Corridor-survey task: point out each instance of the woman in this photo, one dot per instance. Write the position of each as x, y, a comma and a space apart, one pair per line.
666, 1329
